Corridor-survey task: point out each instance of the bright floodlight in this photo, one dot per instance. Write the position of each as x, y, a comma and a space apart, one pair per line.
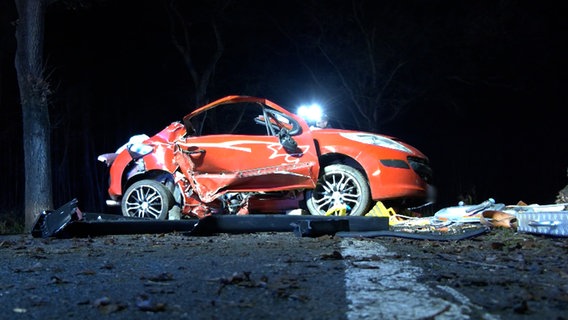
310, 113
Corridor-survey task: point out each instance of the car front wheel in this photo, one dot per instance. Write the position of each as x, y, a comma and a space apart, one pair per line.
147, 199
340, 190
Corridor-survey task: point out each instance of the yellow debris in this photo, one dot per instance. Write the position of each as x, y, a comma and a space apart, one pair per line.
380, 210
337, 210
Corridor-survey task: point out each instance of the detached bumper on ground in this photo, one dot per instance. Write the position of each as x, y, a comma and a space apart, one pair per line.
68, 221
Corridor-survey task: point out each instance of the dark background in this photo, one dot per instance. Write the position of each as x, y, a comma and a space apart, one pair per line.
483, 83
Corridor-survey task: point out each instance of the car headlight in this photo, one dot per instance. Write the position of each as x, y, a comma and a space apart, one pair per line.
138, 150
376, 140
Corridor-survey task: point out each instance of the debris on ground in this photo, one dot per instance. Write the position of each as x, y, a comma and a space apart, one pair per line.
448, 224
550, 219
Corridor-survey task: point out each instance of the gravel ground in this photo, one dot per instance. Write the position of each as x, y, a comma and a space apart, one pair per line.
264, 275
513, 275
256, 276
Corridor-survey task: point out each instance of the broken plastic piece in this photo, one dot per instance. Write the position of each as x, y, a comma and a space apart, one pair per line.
54, 223
467, 213
338, 210
314, 228
380, 210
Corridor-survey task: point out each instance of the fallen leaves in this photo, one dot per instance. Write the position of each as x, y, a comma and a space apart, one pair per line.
335, 255
161, 279
145, 303
7, 244
57, 280
87, 272
283, 287
38, 266
241, 279
106, 306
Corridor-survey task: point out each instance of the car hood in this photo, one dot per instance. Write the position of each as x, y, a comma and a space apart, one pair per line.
329, 137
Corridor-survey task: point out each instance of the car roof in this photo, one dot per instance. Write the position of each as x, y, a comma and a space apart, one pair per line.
235, 99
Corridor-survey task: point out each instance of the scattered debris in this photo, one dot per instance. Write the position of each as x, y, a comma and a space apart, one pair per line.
498, 219
549, 219
448, 224
241, 279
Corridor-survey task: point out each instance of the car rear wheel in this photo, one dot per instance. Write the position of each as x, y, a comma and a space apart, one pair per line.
147, 199
341, 190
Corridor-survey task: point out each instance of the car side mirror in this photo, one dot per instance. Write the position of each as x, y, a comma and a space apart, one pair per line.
189, 129
287, 142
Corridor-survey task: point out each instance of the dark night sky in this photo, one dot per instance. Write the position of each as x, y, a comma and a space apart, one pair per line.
487, 81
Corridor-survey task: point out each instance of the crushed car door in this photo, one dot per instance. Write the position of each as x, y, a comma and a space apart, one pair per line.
244, 147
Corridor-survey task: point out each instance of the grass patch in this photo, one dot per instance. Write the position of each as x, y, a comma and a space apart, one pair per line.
11, 223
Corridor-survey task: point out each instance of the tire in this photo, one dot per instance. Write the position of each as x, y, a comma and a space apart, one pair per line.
147, 199
339, 185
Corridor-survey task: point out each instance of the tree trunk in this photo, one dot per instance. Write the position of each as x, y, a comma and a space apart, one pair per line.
34, 92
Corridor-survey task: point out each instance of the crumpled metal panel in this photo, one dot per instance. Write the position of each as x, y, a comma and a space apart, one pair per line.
209, 186
549, 223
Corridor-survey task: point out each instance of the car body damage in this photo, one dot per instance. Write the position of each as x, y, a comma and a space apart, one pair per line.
241, 155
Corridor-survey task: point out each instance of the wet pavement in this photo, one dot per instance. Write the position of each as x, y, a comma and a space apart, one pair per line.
500, 275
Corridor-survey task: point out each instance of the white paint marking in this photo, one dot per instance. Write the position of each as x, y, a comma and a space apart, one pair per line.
379, 286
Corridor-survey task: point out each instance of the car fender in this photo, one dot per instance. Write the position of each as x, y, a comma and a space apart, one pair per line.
161, 159
124, 168
369, 157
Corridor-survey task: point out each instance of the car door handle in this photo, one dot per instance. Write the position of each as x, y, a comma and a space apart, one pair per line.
190, 152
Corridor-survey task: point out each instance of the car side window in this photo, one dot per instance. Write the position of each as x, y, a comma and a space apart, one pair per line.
279, 121
234, 118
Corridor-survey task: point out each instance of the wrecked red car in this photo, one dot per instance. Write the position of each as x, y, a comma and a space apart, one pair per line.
244, 155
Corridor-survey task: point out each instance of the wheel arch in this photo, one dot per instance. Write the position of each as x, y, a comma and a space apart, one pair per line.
340, 158
163, 176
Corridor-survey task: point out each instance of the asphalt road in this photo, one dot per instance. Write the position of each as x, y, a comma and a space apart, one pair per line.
282, 276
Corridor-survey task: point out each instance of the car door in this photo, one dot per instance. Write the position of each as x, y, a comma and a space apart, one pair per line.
242, 147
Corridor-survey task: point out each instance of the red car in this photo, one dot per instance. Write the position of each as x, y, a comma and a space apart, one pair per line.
241, 155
